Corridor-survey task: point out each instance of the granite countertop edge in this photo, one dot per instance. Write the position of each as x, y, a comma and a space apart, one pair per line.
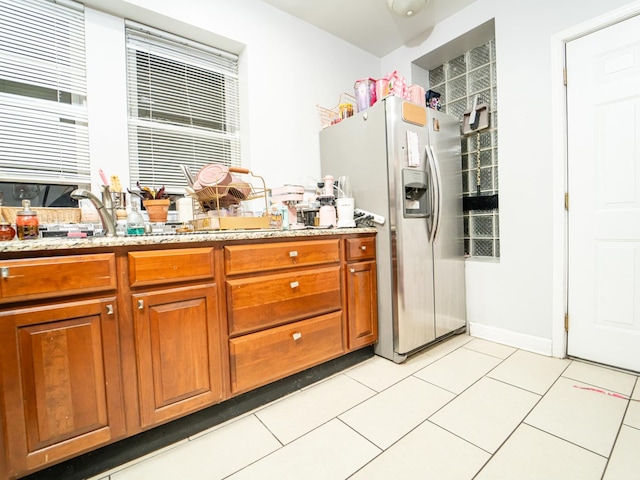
57, 243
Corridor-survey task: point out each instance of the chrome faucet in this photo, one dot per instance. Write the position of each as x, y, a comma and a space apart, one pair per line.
105, 216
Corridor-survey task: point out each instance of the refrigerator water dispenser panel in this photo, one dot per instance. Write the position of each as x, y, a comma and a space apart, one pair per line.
415, 201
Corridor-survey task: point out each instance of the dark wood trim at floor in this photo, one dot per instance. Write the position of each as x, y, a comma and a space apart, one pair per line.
93, 463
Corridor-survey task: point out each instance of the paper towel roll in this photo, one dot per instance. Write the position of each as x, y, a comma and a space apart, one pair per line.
184, 207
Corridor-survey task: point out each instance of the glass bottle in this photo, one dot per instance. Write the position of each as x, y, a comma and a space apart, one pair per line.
7, 232
27, 222
135, 220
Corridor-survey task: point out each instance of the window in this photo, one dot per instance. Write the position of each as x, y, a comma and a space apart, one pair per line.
459, 81
43, 112
183, 107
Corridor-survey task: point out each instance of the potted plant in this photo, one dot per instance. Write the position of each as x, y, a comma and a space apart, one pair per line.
156, 203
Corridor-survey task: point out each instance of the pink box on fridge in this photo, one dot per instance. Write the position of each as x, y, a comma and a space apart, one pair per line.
365, 91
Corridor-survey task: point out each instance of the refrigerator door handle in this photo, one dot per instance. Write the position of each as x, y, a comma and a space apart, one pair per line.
437, 195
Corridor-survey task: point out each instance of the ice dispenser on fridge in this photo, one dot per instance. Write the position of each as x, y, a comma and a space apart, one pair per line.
414, 183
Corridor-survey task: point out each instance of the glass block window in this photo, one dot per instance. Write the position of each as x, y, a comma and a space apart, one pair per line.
459, 81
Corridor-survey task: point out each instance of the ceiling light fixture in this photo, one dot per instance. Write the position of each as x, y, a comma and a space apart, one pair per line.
406, 8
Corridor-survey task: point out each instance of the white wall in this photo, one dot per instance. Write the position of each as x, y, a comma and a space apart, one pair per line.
515, 300
287, 67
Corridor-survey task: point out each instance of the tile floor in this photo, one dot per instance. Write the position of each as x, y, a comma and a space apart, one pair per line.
464, 409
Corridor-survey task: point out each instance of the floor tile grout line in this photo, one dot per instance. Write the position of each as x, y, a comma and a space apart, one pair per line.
523, 421
428, 419
581, 447
615, 441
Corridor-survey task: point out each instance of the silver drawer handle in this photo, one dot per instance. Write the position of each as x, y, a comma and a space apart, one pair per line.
293, 253
4, 272
297, 336
109, 309
140, 304
294, 284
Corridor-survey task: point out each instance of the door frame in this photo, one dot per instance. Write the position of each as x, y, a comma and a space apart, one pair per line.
560, 166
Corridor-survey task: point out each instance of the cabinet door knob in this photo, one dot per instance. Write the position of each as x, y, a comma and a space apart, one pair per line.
363, 248
4, 272
140, 304
293, 253
109, 309
352, 270
296, 336
294, 284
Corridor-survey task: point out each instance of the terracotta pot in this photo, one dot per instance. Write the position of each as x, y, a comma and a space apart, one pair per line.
157, 210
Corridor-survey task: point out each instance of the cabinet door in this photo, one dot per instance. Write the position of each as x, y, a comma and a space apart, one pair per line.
362, 304
61, 387
178, 351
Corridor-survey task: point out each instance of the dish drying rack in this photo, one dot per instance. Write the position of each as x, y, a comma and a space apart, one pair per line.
221, 199
331, 116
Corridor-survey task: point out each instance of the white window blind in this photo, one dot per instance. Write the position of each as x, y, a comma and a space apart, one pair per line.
183, 107
43, 113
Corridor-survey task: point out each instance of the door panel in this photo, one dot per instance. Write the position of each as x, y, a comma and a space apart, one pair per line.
61, 385
603, 96
179, 359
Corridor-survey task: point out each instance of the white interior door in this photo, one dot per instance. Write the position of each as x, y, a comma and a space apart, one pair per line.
603, 95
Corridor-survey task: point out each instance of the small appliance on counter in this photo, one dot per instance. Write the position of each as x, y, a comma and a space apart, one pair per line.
289, 196
326, 198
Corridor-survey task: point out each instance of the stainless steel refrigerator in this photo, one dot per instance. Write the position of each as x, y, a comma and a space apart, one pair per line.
403, 163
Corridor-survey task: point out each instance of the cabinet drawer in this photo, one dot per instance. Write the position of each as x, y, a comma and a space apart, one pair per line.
270, 256
360, 248
268, 300
48, 277
162, 266
260, 358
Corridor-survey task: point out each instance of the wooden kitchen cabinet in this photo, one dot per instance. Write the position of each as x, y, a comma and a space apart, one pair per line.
61, 388
361, 289
178, 352
177, 332
285, 312
270, 354
53, 277
100, 345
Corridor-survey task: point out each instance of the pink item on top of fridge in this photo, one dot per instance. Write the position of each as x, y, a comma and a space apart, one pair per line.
365, 92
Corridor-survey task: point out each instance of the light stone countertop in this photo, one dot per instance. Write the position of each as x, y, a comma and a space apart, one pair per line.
58, 243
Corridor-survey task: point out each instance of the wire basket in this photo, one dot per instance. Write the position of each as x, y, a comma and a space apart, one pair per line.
216, 198
331, 116
46, 215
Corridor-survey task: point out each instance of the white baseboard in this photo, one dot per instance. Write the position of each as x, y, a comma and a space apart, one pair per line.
543, 346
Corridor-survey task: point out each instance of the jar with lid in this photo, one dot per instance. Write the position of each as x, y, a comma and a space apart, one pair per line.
27, 222
7, 232
346, 110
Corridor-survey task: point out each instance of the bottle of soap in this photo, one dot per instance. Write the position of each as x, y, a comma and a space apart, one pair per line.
27, 222
135, 220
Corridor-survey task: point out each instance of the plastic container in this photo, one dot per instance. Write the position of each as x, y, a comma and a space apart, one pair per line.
365, 91
27, 222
